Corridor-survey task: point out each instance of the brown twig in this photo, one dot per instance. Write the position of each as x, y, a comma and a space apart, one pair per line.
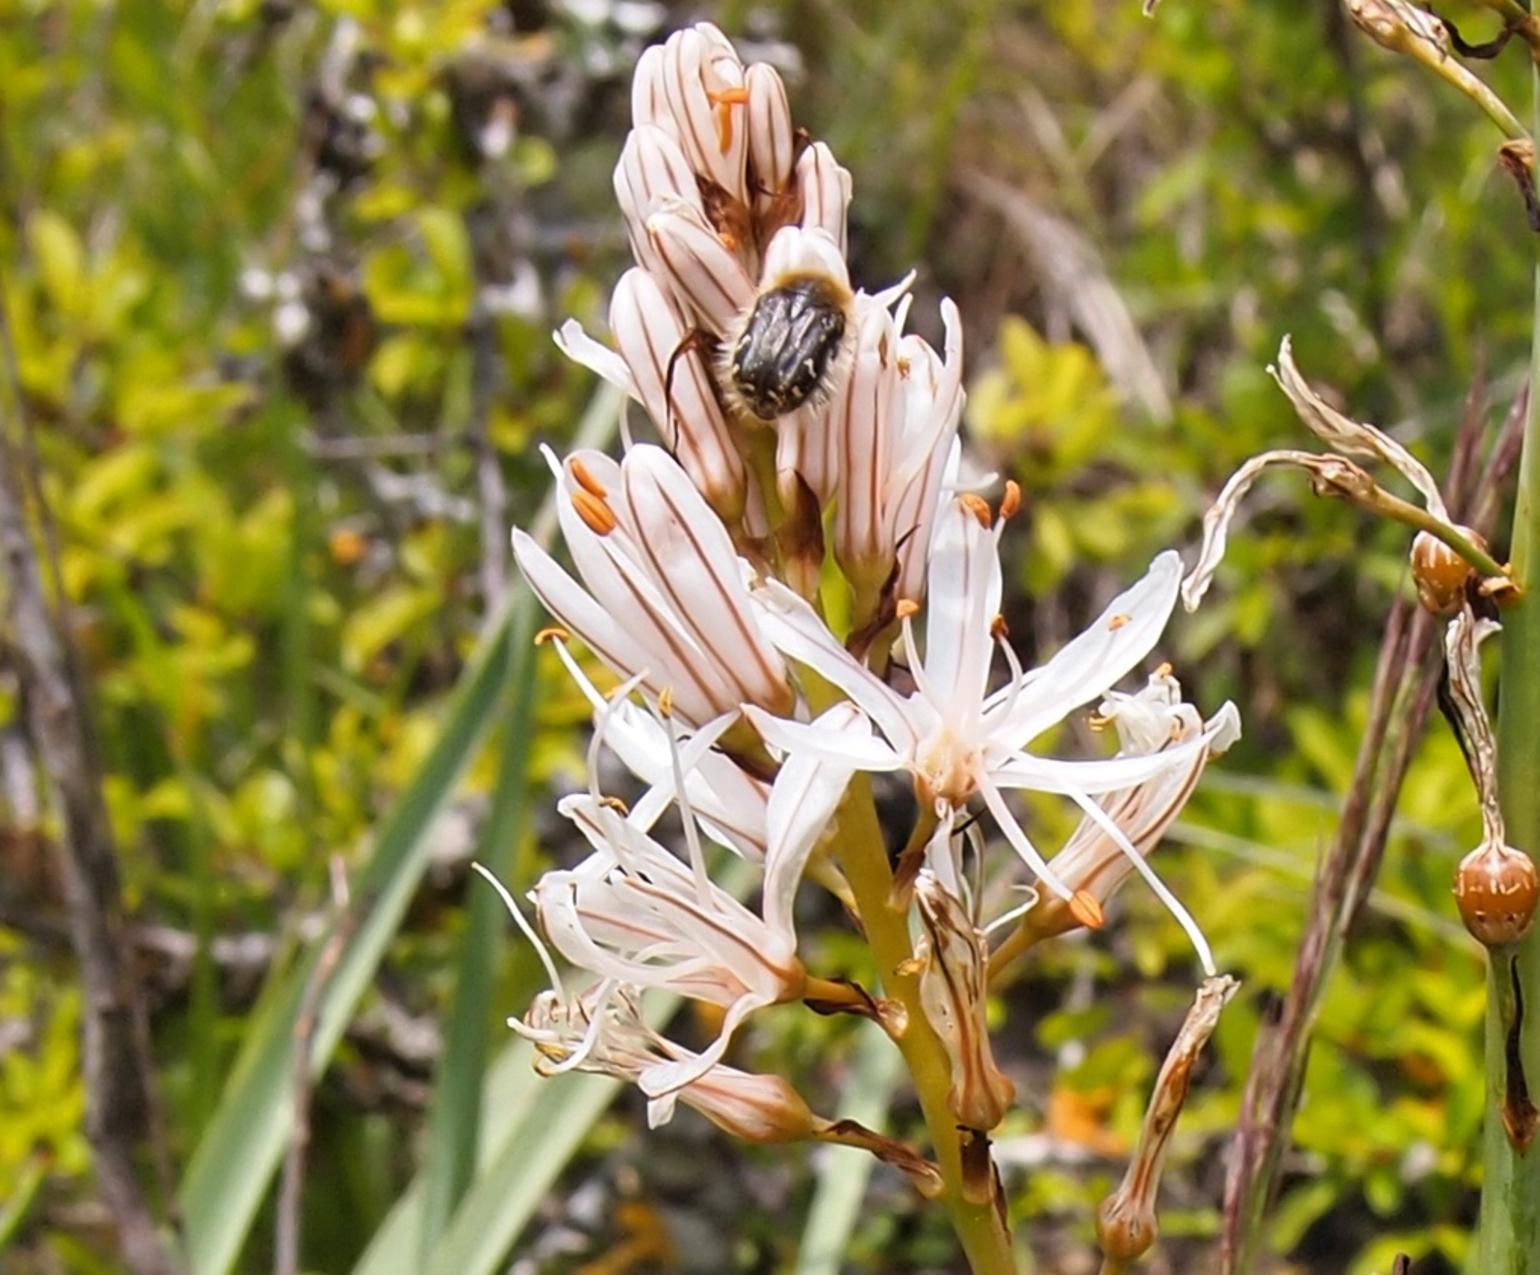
115, 1031
290, 1223
1405, 677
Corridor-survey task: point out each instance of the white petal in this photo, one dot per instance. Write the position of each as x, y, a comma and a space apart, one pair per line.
1092, 663
699, 268
771, 136
825, 188
693, 559
683, 406
802, 804
578, 346
795, 251
1043, 774
797, 632
834, 746
672, 1076
963, 600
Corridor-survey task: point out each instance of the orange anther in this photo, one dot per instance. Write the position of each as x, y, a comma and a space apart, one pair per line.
729, 241
1118, 621
905, 608
1086, 910
553, 634
724, 100
666, 701
979, 508
999, 629
594, 511
584, 478
1012, 499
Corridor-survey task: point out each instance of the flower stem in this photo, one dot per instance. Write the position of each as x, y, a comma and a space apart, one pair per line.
863, 857
1509, 1238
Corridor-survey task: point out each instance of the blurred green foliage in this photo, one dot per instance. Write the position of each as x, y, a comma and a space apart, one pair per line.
279, 310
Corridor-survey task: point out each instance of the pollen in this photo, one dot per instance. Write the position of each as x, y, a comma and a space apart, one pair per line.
585, 479
1120, 620
553, 634
666, 701
979, 508
1085, 909
724, 100
729, 240
594, 511
905, 608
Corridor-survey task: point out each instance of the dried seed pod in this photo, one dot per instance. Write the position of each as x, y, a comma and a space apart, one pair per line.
1441, 574
1496, 888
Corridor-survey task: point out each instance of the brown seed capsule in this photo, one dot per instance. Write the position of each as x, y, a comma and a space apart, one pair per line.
1440, 573
1496, 888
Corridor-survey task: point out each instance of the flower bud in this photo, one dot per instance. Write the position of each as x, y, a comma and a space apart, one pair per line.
952, 991
756, 1108
1126, 1224
1440, 573
1496, 889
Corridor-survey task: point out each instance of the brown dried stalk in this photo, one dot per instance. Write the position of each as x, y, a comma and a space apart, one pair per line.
115, 1047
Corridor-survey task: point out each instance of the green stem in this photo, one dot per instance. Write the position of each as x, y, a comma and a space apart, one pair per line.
1509, 1240
863, 857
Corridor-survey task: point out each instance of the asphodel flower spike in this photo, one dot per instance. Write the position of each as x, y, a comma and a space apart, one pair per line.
953, 736
663, 590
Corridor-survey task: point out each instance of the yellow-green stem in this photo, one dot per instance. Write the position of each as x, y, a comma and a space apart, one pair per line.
1509, 1240
863, 856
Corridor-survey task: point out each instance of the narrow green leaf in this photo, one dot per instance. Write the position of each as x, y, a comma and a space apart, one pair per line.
234, 1163
843, 1172
455, 1124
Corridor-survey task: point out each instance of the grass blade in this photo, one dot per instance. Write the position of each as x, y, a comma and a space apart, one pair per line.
843, 1172
454, 1127
234, 1164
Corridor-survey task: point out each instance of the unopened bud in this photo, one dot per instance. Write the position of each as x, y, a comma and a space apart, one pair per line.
1496, 888
1440, 573
1126, 1223
952, 992
756, 1108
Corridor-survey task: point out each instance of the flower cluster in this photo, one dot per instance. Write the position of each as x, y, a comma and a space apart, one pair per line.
802, 438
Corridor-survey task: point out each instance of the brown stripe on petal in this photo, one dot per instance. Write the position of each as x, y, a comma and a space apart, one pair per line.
773, 675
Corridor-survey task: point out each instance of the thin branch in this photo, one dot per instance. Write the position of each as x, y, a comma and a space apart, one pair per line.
289, 1227
115, 1050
